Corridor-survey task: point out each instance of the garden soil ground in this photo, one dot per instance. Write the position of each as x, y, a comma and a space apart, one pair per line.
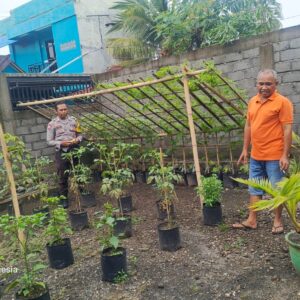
213, 263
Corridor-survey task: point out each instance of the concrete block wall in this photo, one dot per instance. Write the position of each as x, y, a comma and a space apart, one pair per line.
32, 128
239, 61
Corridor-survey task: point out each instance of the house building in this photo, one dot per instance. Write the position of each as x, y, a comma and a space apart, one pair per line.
60, 36
7, 66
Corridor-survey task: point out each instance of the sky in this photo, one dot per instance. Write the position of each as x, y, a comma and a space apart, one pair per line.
290, 10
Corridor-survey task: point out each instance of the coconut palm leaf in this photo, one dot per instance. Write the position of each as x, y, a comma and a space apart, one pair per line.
286, 193
259, 183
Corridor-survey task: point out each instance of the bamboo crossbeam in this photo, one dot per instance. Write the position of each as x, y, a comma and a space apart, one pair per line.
108, 91
114, 112
170, 103
217, 103
150, 119
158, 104
223, 98
206, 107
132, 107
179, 97
230, 86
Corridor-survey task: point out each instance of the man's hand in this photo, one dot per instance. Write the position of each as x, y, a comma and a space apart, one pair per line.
284, 163
65, 143
243, 158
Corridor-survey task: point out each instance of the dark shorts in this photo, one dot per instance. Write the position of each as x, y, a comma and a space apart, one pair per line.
269, 169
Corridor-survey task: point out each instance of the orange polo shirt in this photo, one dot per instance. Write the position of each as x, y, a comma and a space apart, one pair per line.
266, 122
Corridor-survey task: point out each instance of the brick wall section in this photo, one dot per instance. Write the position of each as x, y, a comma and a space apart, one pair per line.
32, 129
239, 61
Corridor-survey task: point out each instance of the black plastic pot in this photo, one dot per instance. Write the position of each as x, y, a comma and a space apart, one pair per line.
88, 199
191, 179
123, 227
228, 182
113, 264
183, 176
140, 176
162, 213
64, 203
79, 220
243, 176
11, 211
60, 256
44, 296
169, 236
212, 216
126, 203
97, 176
44, 210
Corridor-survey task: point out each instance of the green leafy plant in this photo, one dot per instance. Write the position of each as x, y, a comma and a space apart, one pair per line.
106, 223
31, 265
244, 169
121, 277
58, 224
117, 176
286, 193
163, 178
80, 174
210, 190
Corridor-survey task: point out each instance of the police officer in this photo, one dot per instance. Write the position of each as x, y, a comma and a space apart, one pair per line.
63, 133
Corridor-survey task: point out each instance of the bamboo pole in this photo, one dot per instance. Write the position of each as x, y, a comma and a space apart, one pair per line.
107, 91
192, 130
11, 180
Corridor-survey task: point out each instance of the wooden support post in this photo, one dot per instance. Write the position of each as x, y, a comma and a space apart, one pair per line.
192, 129
11, 181
161, 156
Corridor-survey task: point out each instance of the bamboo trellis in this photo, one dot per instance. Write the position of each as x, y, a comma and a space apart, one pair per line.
179, 104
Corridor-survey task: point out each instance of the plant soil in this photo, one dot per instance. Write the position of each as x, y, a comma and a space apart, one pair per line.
213, 263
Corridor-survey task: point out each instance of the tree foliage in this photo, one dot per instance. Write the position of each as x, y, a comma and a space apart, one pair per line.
177, 26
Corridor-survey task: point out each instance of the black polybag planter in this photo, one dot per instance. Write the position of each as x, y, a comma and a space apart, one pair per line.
113, 265
169, 236
60, 256
191, 179
126, 203
140, 176
228, 182
123, 228
88, 199
212, 216
162, 213
44, 296
79, 220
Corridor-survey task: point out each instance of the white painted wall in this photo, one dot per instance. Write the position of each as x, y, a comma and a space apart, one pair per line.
93, 33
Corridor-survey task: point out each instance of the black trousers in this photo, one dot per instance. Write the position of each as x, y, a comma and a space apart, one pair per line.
62, 165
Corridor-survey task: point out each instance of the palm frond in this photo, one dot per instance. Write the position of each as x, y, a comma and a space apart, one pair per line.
261, 184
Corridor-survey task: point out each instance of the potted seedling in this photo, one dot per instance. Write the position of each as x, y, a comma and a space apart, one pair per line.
117, 177
113, 256
216, 169
286, 193
147, 158
211, 191
78, 216
191, 175
163, 178
228, 173
58, 247
38, 177
28, 284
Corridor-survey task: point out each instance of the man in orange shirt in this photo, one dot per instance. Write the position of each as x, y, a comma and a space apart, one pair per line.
269, 130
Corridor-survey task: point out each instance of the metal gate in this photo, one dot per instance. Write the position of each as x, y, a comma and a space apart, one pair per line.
36, 87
